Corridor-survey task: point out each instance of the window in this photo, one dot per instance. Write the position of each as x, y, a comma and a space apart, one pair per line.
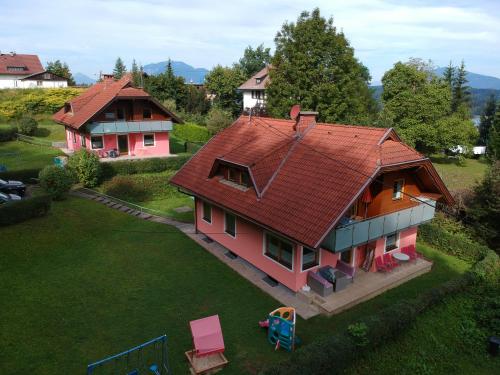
346, 256
310, 258
146, 113
47, 76
120, 114
207, 212
74, 136
149, 140
258, 80
279, 250
256, 94
96, 142
230, 224
391, 242
109, 115
233, 175
39, 83
244, 178
82, 140
397, 190
238, 176
67, 107
16, 68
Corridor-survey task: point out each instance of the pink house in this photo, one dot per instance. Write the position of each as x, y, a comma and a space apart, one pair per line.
114, 119
291, 196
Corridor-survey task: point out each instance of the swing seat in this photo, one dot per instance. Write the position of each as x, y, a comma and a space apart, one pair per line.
154, 369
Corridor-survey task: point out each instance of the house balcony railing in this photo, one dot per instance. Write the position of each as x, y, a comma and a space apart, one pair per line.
361, 232
124, 127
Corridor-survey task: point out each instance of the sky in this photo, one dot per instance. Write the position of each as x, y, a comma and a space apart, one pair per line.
90, 34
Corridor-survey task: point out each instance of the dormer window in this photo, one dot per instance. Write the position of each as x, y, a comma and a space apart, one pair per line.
237, 176
258, 80
16, 68
67, 107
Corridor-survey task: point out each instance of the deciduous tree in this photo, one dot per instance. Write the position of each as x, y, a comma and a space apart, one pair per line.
315, 66
254, 60
223, 83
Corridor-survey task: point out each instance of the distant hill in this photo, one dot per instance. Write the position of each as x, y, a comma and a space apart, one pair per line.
181, 69
477, 81
82, 79
481, 88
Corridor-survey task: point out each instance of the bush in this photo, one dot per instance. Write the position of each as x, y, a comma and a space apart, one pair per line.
191, 133
56, 181
154, 165
126, 188
27, 125
86, 167
24, 175
19, 211
8, 134
218, 120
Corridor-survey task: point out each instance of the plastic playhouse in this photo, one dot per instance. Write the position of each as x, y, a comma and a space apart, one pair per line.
207, 357
280, 326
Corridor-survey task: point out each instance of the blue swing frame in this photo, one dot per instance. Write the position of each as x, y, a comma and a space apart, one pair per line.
155, 368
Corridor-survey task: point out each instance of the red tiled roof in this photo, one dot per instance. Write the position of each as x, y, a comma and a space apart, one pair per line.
252, 84
97, 97
304, 185
30, 63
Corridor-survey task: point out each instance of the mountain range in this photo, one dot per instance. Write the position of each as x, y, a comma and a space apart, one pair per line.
188, 72
82, 79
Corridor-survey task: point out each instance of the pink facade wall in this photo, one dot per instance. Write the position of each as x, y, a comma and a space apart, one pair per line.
135, 143
249, 245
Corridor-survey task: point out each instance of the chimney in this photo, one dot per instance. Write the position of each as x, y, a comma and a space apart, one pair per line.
305, 119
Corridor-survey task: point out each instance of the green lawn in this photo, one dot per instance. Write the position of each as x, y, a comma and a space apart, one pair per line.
18, 155
47, 130
458, 177
88, 281
444, 340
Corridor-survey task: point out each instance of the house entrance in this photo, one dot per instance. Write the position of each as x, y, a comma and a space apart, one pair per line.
123, 144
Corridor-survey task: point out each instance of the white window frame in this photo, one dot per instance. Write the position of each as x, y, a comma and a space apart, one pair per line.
74, 136
265, 233
144, 140
203, 212
83, 141
398, 238
92, 145
399, 194
39, 83
225, 224
302, 259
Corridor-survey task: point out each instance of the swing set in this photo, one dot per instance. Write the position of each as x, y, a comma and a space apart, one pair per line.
147, 358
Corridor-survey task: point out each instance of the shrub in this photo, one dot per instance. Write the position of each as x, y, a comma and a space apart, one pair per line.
86, 167
19, 211
126, 188
27, 125
191, 133
8, 134
24, 175
56, 181
358, 332
126, 167
218, 120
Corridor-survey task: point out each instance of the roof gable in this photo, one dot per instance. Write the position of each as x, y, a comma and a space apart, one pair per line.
15, 64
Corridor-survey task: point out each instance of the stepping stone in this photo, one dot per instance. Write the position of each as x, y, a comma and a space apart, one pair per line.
144, 216
124, 208
183, 209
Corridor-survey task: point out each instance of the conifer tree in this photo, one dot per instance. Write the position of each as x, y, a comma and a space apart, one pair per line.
487, 120
461, 92
136, 77
120, 68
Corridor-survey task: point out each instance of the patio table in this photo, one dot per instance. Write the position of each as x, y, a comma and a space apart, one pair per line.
401, 257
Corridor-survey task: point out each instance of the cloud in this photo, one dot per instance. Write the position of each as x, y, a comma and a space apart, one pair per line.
90, 34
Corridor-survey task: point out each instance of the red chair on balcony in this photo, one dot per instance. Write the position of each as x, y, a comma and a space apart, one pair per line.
388, 259
381, 266
410, 251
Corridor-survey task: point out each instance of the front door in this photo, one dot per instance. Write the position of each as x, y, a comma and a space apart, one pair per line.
123, 144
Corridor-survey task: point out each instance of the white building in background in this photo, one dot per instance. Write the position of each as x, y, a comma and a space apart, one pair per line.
254, 91
26, 71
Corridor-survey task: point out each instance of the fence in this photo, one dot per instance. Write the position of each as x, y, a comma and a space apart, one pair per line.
39, 142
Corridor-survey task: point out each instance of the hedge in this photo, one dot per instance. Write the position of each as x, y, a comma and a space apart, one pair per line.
24, 175
334, 354
126, 167
456, 244
191, 133
19, 211
8, 134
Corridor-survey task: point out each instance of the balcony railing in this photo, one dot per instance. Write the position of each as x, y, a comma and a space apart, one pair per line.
364, 231
117, 127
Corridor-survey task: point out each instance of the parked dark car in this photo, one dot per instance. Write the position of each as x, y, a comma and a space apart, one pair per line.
12, 187
4, 198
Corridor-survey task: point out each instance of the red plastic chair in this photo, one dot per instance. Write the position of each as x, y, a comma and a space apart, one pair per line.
410, 252
388, 259
381, 266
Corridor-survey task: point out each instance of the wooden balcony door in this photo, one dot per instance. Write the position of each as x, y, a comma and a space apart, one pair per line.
123, 144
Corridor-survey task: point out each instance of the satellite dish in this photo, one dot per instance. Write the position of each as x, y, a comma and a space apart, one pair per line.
294, 111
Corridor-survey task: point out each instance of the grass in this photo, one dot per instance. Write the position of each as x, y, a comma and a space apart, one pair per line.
153, 191
458, 177
94, 281
16, 155
444, 340
47, 130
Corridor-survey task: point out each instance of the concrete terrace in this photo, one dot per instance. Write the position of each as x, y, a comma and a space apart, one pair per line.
366, 285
